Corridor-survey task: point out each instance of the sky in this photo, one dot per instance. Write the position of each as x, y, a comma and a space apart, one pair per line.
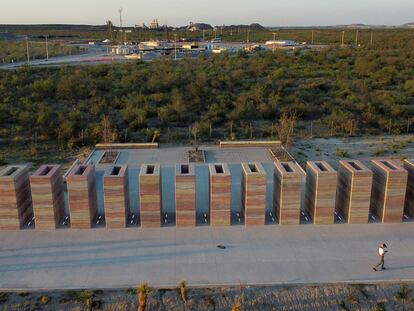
215, 12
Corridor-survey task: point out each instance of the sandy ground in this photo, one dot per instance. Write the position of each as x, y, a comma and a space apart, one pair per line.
322, 297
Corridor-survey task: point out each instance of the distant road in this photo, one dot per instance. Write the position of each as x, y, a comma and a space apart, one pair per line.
97, 54
94, 52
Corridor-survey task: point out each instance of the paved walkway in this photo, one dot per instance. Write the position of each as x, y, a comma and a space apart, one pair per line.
275, 254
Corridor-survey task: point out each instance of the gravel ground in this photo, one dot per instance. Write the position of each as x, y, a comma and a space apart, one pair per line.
359, 148
326, 297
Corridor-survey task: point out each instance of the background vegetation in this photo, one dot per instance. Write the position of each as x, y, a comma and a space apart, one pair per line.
346, 91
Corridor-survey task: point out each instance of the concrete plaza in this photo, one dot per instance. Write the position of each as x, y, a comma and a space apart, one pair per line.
273, 254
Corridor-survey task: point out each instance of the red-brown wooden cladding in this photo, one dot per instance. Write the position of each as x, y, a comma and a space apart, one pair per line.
48, 197
354, 191
116, 196
81, 184
185, 195
253, 193
150, 195
321, 181
287, 192
15, 197
388, 190
409, 197
220, 194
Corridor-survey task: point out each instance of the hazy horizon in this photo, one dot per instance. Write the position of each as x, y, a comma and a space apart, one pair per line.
269, 13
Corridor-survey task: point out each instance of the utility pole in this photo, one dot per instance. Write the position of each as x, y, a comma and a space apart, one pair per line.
47, 50
311, 129
27, 51
274, 36
204, 35
343, 38
175, 46
120, 22
356, 37
248, 36
312, 36
372, 38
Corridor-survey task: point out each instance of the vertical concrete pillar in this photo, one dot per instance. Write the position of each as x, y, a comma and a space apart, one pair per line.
354, 191
15, 198
48, 197
321, 181
254, 193
81, 184
220, 194
185, 195
409, 197
150, 195
388, 191
116, 196
287, 192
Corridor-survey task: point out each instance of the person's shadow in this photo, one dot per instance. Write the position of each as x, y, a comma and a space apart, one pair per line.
399, 268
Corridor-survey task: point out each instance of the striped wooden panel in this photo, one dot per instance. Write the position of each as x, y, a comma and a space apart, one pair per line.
354, 191
185, 195
321, 181
15, 197
48, 197
254, 193
116, 196
409, 198
287, 192
220, 194
150, 195
388, 190
81, 184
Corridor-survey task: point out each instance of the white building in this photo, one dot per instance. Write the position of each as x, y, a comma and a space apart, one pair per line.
154, 24
281, 43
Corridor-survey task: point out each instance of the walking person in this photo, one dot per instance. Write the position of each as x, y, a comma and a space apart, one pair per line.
381, 252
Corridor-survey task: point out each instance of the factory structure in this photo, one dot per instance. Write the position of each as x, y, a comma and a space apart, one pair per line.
263, 191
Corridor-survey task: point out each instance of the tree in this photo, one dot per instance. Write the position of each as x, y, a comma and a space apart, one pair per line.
195, 128
109, 27
108, 138
285, 128
409, 87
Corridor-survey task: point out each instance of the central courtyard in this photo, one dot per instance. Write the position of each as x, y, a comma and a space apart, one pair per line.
169, 157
